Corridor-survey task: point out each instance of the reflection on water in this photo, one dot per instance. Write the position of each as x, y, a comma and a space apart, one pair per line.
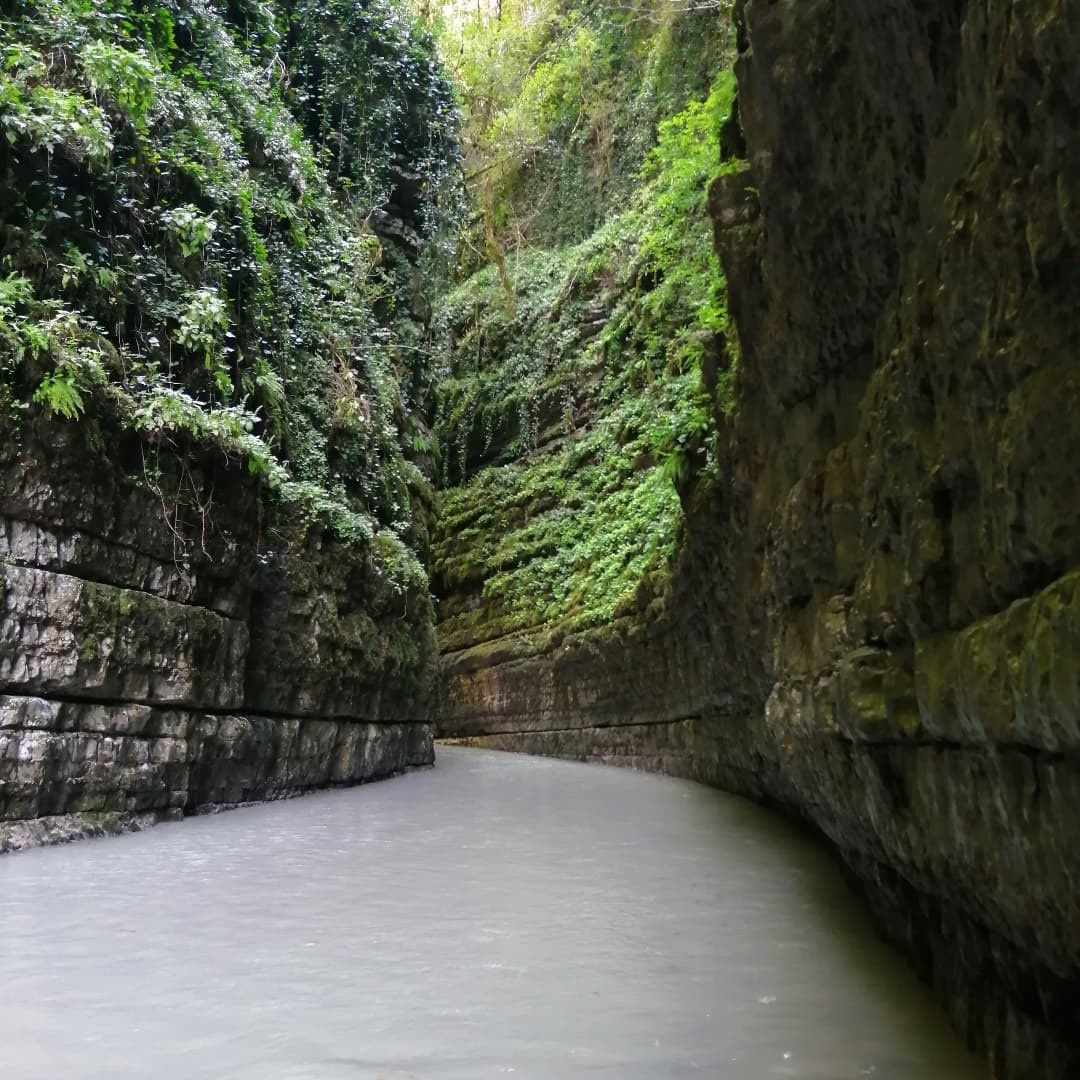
498, 915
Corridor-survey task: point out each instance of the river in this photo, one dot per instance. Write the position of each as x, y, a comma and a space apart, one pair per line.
496, 916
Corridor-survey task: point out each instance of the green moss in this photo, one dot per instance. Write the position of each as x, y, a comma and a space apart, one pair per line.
569, 416
187, 248
106, 612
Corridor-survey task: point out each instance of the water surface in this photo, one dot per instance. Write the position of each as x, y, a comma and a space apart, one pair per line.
496, 916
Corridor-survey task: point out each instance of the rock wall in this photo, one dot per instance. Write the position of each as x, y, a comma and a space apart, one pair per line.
874, 622
162, 652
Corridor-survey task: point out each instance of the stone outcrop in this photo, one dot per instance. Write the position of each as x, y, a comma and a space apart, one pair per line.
163, 653
874, 621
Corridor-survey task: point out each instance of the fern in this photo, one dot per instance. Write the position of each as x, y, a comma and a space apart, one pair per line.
60, 394
15, 290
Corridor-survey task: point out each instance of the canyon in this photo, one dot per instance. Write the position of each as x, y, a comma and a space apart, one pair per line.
872, 621
866, 610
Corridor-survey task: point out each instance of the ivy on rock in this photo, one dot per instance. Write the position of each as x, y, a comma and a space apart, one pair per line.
193, 244
574, 404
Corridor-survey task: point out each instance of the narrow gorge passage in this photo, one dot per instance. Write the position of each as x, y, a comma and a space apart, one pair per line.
692, 385
499, 915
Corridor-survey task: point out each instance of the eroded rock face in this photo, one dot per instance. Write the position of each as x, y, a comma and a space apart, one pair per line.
157, 660
62, 634
874, 623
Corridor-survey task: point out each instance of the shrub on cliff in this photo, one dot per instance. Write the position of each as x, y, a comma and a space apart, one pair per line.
190, 241
569, 416
562, 101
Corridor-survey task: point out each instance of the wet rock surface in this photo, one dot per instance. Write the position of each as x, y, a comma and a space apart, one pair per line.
873, 624
157, 661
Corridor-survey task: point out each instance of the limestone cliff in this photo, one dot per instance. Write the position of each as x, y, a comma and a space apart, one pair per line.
213, 526
873, 620
135, 687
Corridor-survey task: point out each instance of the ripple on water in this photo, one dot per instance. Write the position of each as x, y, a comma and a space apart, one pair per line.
498, 915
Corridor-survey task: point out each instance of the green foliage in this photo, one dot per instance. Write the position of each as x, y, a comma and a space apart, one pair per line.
117, 75
16, 291
570, 418
191, 230
686, 305
562, 101
188, 245
369, 96
60, 394
564, 537
649, 278
43, 117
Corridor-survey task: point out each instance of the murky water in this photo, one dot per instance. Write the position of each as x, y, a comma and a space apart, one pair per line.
497, 916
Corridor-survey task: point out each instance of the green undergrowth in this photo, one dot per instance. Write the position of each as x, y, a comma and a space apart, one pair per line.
192, 245
573, 410
562, 101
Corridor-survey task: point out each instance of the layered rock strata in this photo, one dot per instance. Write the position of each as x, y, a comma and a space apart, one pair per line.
876, 617
160, 654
